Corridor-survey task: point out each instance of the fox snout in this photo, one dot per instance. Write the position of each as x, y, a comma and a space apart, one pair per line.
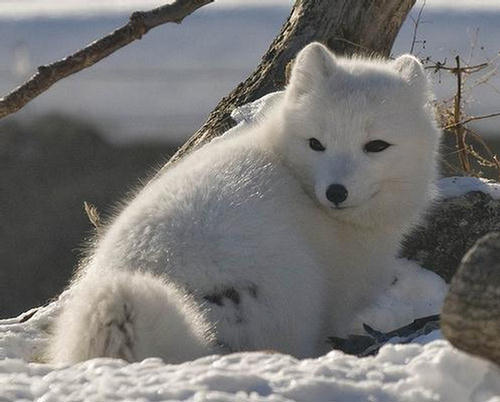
336, 193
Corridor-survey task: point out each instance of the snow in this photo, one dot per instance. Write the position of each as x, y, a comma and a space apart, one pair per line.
456, 186
429, 369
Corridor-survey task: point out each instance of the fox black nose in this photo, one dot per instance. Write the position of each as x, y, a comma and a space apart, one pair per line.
336, 193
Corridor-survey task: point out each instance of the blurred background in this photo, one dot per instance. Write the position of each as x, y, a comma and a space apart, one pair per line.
95, 135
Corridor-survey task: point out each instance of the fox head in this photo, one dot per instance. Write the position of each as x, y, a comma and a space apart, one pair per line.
360, 136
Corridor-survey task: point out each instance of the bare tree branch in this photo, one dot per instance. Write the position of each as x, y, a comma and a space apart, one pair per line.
416, 23
460, 132
139, 24
472, 118
465, 69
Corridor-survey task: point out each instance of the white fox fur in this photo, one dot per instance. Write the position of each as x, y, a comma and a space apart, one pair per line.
237, 246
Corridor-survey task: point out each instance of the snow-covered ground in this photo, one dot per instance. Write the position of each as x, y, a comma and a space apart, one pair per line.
429, 369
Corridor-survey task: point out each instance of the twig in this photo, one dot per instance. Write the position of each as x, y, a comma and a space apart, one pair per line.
416, 23
465, 69
139, 24
93, 215
494, 162
459, 129
452, 168
469, 119
473, 43
485, 78
482, 161
453, 118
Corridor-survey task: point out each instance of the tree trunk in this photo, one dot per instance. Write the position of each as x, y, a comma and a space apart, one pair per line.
345, 26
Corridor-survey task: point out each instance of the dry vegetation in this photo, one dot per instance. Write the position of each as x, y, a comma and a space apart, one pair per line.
466, 152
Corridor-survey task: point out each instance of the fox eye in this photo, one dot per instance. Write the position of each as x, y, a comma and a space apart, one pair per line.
316, 145
376, 146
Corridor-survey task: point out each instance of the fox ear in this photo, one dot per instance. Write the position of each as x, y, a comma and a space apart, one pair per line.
313, 64
412, 71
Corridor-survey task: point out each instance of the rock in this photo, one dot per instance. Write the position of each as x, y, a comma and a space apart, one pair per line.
451, 228
470, 318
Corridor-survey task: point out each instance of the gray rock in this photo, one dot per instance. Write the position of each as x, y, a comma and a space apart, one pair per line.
452, 227
470, 318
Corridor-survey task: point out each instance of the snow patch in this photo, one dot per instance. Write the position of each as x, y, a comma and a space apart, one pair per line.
450, 187
429, 369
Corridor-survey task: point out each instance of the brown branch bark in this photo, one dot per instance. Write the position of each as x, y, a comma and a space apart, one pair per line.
346, 26
416, 23
139, 24
472, 118
460, 132
465, 69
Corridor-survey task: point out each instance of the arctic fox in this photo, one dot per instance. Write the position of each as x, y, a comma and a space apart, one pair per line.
275, 237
